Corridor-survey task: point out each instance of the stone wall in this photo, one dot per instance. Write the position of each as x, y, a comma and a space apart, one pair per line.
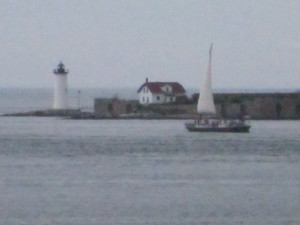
261, 106
113, 107
257, 106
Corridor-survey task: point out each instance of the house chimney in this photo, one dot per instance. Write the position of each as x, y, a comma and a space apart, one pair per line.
146, 79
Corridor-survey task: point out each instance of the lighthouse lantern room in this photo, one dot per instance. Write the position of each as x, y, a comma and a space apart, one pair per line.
60, 87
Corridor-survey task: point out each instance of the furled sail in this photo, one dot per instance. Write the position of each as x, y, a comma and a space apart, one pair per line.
206, 102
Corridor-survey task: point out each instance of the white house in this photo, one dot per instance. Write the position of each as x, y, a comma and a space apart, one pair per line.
160, 92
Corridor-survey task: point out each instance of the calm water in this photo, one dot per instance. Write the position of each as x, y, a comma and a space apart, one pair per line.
56, 171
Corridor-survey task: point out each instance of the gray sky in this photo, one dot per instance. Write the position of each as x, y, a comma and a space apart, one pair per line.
118, 43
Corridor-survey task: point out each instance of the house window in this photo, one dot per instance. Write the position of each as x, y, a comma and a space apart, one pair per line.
143, 99
167, 89
297, 110
147, 99
157, 98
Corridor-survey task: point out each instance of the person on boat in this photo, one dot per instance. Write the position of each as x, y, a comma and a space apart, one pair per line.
206, 121
214, 123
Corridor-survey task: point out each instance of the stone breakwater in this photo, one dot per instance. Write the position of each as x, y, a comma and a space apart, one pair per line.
76, 114
47, 113
257, 106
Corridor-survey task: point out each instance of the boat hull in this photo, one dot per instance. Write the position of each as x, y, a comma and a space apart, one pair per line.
231, 129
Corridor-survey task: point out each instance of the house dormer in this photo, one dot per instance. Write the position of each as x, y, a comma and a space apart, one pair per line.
167, 88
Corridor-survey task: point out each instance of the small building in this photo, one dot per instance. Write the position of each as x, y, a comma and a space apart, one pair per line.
160, 92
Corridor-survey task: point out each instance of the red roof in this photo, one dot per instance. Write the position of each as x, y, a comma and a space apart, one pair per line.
156, 87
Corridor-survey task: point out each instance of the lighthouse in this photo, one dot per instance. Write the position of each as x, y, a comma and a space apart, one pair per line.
60, 87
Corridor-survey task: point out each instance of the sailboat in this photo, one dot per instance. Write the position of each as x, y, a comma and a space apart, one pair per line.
207, 121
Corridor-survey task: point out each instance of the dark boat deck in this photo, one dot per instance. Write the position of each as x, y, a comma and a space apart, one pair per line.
235, 128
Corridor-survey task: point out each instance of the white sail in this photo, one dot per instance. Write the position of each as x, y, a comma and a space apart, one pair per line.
206, 102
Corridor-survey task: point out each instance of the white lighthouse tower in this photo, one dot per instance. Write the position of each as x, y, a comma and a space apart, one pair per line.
60, 87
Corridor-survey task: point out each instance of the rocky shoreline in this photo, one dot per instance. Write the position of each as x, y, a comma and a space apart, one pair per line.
78, 115
45, 113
